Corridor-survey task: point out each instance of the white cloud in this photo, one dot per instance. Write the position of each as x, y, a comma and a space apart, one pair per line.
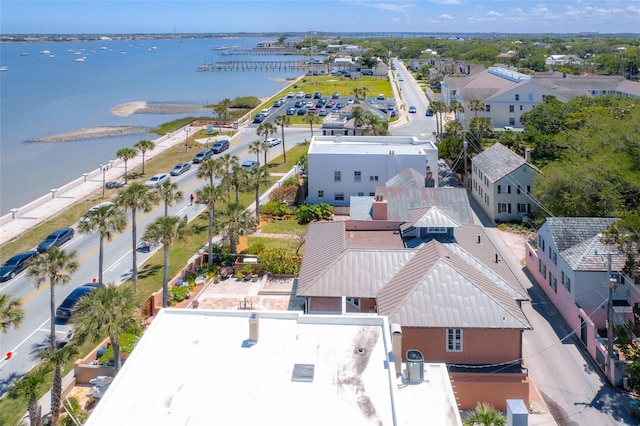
450, 2
445, 17
390, 6
494, 14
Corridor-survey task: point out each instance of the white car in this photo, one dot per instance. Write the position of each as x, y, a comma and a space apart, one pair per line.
273, 142
157, 180
291, 95
265, 112
300, 95
84, 218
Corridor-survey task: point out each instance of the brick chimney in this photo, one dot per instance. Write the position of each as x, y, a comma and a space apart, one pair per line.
379, 208
527, 155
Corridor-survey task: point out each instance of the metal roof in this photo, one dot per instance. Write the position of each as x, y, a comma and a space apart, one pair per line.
433, 217
401, 200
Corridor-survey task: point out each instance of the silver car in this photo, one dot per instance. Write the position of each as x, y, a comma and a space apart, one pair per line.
157, 180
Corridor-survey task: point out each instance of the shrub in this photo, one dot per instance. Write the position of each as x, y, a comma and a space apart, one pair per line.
254, 249
127, 342
245, 102
292, 181
179, 293
275, 208
285, 194
279, 261
312, 212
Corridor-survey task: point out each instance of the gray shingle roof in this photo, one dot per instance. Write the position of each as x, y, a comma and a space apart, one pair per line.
497, 161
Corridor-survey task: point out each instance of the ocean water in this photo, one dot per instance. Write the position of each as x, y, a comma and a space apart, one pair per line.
43, 95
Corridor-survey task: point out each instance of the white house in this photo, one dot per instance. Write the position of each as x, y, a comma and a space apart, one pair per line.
343, 166
501, 183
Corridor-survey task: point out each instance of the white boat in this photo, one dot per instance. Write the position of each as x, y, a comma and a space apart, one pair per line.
2, 69
45, 52
52, 56
24, 54
80, 59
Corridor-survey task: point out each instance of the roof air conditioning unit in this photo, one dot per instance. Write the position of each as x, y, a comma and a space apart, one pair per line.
415, 366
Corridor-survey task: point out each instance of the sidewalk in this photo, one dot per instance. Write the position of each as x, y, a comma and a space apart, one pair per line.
39, 211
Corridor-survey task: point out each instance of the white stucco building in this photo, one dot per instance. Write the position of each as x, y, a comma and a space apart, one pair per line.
340, 167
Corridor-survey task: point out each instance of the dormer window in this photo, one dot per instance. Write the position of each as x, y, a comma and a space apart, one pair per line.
436, 230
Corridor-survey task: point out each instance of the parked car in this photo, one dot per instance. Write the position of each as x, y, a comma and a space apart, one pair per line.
380, 97
309, 104
299, 104
429, 113
250, 164
278, 103
335, 96
317, 95
307, 95
273, 142
180, 168
259, 118
339, 105
15, 265
56, 239
202, 156
94, 208
291, 95
113, 184
323, 112
220, 146
302, 111
157, 180
412, 109
300, 95
350, 101
265, 112
67, 308
291, 111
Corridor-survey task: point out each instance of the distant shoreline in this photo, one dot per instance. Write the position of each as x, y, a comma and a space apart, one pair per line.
142, 107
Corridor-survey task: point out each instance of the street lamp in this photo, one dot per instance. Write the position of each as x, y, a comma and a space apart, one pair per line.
104, 169
186, 141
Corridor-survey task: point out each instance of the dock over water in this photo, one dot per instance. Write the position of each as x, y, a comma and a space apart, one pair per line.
252, 66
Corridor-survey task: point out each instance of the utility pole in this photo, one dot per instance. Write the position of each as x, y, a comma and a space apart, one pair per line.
465, 144
612, 284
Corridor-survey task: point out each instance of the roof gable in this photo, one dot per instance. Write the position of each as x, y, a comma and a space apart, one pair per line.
498, 161
437, 217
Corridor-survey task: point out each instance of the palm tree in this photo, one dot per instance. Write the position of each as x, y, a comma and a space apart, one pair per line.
477, 105
310, 119
55, 265
107, 220
266, 129
479, 126
364, 92
110, 310
226, 103
210, 195
11, 313
235, 221
57, 359
456, 108
358, 118
237, 180
30, 386
256, 147
136, 197
144, 146
256, 178
210, 169
485, 415
167, 230
220, 111
371, 120
283, 121
356, 94
126, 154
454, 128
438, 108
169, 193
228, 162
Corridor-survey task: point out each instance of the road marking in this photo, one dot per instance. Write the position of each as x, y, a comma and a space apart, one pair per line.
29, 336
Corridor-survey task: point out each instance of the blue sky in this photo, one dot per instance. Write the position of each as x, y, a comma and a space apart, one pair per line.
153, 16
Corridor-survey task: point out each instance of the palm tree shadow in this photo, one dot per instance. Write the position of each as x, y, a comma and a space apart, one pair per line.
149, 270
6, 383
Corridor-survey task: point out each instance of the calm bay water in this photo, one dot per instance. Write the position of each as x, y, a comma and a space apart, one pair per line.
42, 96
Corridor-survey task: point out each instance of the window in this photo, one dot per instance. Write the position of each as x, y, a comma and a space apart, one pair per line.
360, 194
553, 282
487, 108
512, 121
353, 302
522, 208
338, 196
436, 230
357, 176
528, 186
504, 208
521, 108
504, 189
454, 340
567, 284
518, 190
530, 96
320, 194
372, 194
373, 178
512, 108
337, 176
517, 97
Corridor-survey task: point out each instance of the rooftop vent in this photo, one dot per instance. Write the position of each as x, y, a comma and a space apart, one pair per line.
303, 373
415, 366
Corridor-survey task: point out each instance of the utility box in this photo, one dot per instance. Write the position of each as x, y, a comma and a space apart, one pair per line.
517, 413
415, 366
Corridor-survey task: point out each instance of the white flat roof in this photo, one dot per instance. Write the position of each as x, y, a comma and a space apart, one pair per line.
197, 367
400, 145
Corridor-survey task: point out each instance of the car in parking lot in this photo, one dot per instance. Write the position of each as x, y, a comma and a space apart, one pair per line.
220, 146
273, 142
380, 97
15, 265
180, 168
85, 217
278, 103
429, 112
339, 105
259, 118
291, 111
250, 164
55, 239
300, 95
307, 95
302, 111
291, 95
390, 107
67, 308
157, 180
202, 156
299, 104
335, 96
412, 109
323, 112
317, 95
309, 104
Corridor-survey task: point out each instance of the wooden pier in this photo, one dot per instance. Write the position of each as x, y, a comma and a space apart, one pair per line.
252, 66
261, 52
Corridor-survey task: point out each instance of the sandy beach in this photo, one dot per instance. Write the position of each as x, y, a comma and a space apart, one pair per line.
143, 107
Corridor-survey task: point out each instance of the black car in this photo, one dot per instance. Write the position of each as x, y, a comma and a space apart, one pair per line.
220, 146
317, 95
56, 238
302, 111
259, 118
299, 104
15, 265
202, 156
68, 306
